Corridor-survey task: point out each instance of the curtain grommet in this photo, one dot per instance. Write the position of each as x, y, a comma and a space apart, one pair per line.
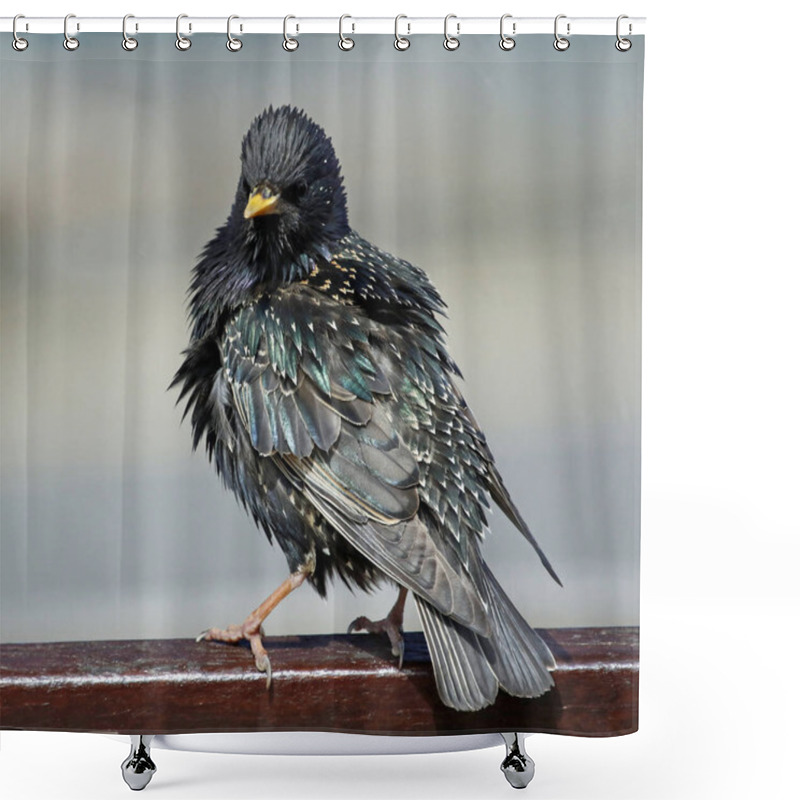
70, 43
18, 43
622, 44
451, 42
233, 44
129, 43
345, 42
181, 41
401, 43
507, 42
290, 44
561, 43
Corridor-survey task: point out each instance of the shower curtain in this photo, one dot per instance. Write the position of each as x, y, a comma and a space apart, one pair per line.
512, 178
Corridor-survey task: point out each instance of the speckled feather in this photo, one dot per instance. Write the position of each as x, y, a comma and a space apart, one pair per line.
318, 376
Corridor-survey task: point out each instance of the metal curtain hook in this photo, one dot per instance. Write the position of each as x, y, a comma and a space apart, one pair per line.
623, 45
560, 44
289, 44
345, 43
128, 42
181, 42
451, 42
507, 42
70, 42
18, 43
400, 42
233, 44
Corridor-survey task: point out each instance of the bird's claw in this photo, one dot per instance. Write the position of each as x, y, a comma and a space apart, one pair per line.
238, 633
358, 624
399, 650
263, 665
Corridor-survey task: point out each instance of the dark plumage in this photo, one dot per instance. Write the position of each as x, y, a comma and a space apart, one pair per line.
318, 377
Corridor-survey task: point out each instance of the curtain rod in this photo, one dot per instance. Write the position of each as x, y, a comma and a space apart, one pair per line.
602, 26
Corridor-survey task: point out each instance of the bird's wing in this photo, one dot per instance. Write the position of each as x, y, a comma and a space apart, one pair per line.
458, 473
500, 494
314, 394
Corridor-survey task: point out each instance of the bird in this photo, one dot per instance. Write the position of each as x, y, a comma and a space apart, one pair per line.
318, 379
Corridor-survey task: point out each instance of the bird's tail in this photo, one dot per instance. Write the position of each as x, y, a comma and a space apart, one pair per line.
469, 668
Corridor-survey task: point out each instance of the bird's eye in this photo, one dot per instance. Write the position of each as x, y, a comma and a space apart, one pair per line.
295, 192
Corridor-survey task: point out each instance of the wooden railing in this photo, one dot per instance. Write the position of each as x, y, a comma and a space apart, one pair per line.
333, 683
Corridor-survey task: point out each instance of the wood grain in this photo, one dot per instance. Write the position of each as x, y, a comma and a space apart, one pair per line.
331, 683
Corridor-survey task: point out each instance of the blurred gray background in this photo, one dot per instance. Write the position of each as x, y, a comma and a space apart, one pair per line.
513, 179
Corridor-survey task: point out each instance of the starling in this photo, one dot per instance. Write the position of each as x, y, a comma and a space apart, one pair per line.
318, 377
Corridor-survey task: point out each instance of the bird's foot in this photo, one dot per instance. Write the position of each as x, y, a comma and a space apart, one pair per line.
389, 626
250, 629
244, 632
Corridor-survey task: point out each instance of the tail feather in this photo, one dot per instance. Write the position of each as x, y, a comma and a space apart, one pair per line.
517, 654
468, 668
464, 678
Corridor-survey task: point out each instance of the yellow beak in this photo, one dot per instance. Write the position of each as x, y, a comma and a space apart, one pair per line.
262, 201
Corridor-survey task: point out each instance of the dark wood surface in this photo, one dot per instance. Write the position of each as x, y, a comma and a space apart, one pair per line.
332, 683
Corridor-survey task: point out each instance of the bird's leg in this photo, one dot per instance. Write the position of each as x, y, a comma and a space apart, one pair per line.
250, 629
391, 625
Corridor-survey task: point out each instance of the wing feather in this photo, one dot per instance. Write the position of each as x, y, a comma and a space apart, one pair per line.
328, 417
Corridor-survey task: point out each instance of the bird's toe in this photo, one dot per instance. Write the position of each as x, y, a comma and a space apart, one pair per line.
358, 624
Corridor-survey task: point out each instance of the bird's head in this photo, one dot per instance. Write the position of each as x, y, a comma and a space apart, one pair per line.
291, 203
